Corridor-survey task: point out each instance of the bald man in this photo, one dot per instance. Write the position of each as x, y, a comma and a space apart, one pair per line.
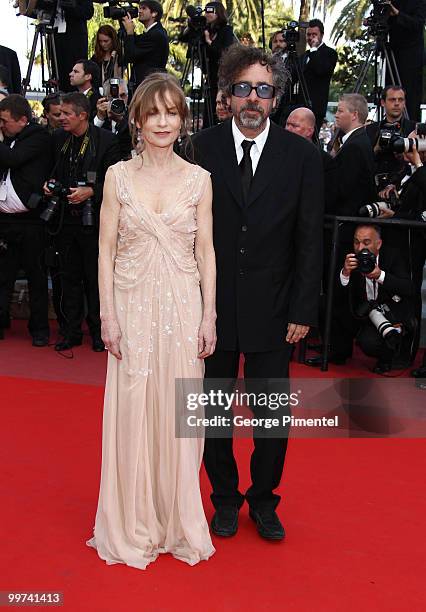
301, 121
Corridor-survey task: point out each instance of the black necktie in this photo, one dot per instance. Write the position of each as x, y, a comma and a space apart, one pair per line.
246, 169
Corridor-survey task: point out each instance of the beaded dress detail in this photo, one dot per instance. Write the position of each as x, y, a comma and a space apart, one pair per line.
150, 500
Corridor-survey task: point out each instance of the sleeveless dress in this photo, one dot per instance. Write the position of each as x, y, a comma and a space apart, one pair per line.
150, 500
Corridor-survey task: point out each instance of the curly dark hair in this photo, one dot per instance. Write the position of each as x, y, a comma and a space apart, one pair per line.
238, 58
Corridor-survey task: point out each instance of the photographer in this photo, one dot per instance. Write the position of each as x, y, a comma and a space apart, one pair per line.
146, 52
406, 27
409, 202
52, 112
24, 166
318, 64
82, 154
393, 103
380, 292
112, 114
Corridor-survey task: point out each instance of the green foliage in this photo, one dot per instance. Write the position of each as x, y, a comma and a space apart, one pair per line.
350, 61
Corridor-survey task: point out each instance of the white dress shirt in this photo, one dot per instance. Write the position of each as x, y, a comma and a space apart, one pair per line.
9, 199
256, 149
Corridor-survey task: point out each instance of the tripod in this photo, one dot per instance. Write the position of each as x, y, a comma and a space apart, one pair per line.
44, 32
293, 66
197, 56
379, 51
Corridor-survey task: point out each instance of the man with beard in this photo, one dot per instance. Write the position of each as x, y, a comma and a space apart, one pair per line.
267, 208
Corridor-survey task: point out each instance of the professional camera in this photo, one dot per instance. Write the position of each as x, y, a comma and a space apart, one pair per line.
118, 10
197, 20
378, 20
116, 105
42, 9
375, 209
390, 139
379, 316
366, 261
291, 33
58, 191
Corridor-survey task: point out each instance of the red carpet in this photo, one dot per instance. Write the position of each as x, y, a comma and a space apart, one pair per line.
354, 512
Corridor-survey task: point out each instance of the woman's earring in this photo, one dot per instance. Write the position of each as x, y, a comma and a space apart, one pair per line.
139, 135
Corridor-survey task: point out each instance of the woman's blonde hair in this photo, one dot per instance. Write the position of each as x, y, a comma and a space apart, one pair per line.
157, 86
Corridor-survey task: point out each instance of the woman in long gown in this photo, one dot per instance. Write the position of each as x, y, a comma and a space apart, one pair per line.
155, 250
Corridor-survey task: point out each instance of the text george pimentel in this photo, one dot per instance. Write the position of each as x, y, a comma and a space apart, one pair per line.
267, 423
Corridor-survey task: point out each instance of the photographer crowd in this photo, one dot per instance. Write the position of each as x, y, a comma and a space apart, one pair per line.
52, 171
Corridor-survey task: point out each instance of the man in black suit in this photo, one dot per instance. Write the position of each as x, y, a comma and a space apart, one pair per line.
24, 166
354, 159
318, 64
84, 76
389, 285
393, 104
149, 51
267, 208
71, 38
82, 154
406, 29
9, 60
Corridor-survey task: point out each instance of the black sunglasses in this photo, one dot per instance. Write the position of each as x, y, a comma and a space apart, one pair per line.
263, 90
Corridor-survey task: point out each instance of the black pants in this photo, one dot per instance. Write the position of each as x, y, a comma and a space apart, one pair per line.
78, 260
70, 47
267, 460
25, 249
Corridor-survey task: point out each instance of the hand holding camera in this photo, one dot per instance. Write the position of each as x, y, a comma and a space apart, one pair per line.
351, 264
102, 108
128, 24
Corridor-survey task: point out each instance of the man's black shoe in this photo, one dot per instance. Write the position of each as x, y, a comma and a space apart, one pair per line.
97, 345
67, 343
268, 524
40, 340
332, 358
419, 372
225, 521
382, 367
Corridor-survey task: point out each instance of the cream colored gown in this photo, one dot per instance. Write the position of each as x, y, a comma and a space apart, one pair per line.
149, 500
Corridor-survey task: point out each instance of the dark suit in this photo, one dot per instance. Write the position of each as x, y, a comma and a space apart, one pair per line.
93, 97
406, 41
29, 162
318, 72
397, 282
268, 256
9, 60
147, 52
78, 245
72, 45
122, 131
355, 167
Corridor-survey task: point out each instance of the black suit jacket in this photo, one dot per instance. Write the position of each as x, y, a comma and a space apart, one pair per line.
29, 161
397, 283
147, 52
318, 72
9, 59
268, 253
122, 132
103, 151
355, 167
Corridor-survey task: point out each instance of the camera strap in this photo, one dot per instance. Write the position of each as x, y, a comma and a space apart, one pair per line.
75, 158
